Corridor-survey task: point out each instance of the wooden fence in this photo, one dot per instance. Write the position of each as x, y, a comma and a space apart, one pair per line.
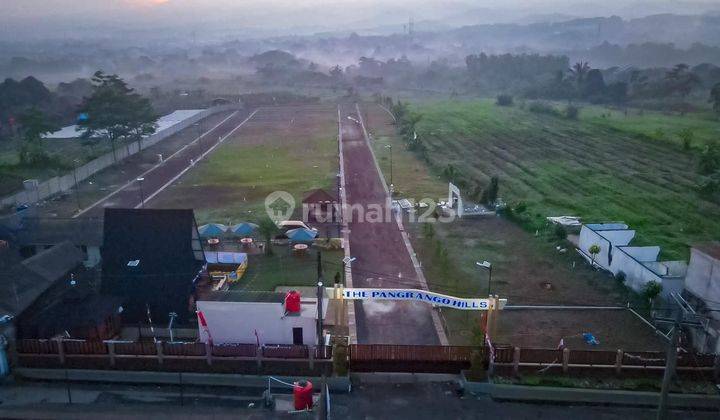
451, 359
183, 356
292, 359
396, 358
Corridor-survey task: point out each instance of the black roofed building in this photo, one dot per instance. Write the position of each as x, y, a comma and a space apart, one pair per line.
24, 282
35, 234
151, 258
52, 294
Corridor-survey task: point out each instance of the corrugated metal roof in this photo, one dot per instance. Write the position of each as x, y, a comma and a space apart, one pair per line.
23, 283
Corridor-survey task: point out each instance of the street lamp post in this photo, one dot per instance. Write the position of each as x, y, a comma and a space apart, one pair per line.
488, 266
142, 197
172, 316
346, 261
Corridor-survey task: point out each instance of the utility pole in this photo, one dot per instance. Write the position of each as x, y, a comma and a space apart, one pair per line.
677, 322
320, 293
320, 338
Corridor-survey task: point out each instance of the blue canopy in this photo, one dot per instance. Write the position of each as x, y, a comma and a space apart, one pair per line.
212, 229
301, 235
244, 229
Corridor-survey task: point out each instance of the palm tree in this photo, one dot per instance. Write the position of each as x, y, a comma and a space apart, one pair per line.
594, 250
579, 70
268, 229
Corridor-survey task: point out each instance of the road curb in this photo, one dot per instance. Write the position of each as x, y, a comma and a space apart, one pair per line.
336, 384
579, 396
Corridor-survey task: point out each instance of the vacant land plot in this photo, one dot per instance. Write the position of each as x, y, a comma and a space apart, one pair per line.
592, 168
287, 148
526, 269
614, 329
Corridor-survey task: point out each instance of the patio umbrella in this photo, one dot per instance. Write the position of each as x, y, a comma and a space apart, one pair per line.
301, 235
212, 229
243, 229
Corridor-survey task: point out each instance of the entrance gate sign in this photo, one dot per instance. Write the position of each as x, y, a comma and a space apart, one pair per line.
417, 295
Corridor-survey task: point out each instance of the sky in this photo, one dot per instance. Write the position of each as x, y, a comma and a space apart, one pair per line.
46, 17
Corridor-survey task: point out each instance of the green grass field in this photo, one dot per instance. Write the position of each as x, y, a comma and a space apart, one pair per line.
599, 168
655, 126
266, 272
291, 149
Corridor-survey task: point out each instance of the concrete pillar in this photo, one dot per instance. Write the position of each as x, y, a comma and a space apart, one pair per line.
61, 351
565, 359
259, 356
111, 352
516, 361
159, 351
618, 361
208, 353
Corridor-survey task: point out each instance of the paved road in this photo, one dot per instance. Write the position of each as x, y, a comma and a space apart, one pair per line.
441, 401
375, 400
130, 195
382, 257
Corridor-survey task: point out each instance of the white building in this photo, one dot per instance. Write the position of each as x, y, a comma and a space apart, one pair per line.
251, 318
702, 290
639, 263
165, 122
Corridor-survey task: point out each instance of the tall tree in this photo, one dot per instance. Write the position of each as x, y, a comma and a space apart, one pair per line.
715, 98
579, 70
268, 229
33, 125
115, 111
681, 80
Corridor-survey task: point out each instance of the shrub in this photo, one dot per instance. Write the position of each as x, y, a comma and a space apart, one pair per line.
620, 277
504, 100
540, 107
572, 112
560, 232
340, 360
686, 136
652, 289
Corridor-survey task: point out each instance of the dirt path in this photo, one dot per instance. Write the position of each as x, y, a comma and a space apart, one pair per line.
159, 177
382, 257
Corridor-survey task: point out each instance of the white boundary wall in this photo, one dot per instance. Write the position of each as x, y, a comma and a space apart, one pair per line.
639, 263
66, 182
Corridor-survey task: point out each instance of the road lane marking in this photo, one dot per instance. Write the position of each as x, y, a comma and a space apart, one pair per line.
81, 212
187, 168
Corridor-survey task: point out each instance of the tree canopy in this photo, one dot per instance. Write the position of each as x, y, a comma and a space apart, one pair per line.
115, 111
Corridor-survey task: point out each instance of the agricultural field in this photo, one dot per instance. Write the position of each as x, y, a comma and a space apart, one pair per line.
599, 167
526, 269
656, 126
287, 148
